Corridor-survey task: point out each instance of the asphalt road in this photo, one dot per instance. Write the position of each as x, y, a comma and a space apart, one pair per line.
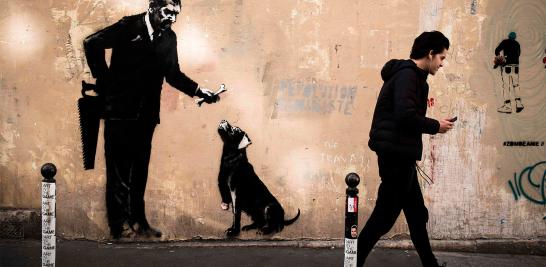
88, 253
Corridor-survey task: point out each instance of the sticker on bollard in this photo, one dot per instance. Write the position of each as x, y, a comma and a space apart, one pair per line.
350, 252
48, 224
352, 204
351, 220
48, 215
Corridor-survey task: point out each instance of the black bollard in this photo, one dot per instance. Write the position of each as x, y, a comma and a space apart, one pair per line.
48, 214
351, 219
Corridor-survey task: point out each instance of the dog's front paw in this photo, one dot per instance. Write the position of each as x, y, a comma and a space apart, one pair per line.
232, 232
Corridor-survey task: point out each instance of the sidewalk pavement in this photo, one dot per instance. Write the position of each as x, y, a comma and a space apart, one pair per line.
89, 253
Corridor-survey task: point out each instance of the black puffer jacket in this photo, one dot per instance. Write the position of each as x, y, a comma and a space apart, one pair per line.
399, 117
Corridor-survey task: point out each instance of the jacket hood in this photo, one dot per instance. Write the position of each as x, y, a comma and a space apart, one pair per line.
395, 65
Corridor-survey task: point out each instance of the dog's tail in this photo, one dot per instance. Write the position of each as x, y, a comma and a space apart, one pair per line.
291, 221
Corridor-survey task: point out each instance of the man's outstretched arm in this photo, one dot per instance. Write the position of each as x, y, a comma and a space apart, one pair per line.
177, 78
182, 82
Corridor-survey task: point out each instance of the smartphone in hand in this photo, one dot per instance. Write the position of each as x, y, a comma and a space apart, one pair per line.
453, 119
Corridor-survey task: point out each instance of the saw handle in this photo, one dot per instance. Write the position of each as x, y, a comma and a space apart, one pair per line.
88, 87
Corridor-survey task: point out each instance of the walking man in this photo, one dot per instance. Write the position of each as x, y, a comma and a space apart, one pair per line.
398, 122
144, 53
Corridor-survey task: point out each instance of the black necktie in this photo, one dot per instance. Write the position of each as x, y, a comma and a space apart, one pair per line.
155, 36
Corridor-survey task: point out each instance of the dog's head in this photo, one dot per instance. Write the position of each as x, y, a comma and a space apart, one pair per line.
233, 136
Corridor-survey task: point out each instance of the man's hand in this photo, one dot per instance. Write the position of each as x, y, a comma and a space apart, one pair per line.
445, 125
207, 95
499, 60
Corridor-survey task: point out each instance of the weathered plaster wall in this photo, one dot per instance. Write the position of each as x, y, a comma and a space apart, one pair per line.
303, 78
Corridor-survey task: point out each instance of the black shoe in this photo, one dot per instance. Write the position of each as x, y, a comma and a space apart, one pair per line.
115, 236
115, 232
151, 232
146, 230
123, 231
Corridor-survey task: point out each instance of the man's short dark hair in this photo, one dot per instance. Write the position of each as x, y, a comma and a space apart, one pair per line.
161, 3
434, 40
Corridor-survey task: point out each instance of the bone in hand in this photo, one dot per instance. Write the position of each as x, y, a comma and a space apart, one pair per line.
221, 90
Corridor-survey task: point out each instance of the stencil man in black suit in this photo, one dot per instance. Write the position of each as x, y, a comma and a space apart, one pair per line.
144, 53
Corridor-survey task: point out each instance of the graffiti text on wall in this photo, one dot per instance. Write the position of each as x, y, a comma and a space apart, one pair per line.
523, 143
530, 184
298, 96
335, 159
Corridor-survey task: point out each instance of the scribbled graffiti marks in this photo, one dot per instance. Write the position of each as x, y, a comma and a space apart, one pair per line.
530, 184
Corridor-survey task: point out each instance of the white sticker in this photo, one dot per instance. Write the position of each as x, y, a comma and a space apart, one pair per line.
48, 224
352, 204
350, 252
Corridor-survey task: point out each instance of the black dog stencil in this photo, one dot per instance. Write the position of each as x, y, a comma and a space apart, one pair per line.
240, 186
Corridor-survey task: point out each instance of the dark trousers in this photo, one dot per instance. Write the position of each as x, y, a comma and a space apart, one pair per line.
127, 147
399, 190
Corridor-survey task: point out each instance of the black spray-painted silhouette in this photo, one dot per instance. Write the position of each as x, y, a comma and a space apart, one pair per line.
240, 186
509, 70
544, 59
144, 52
90, 112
